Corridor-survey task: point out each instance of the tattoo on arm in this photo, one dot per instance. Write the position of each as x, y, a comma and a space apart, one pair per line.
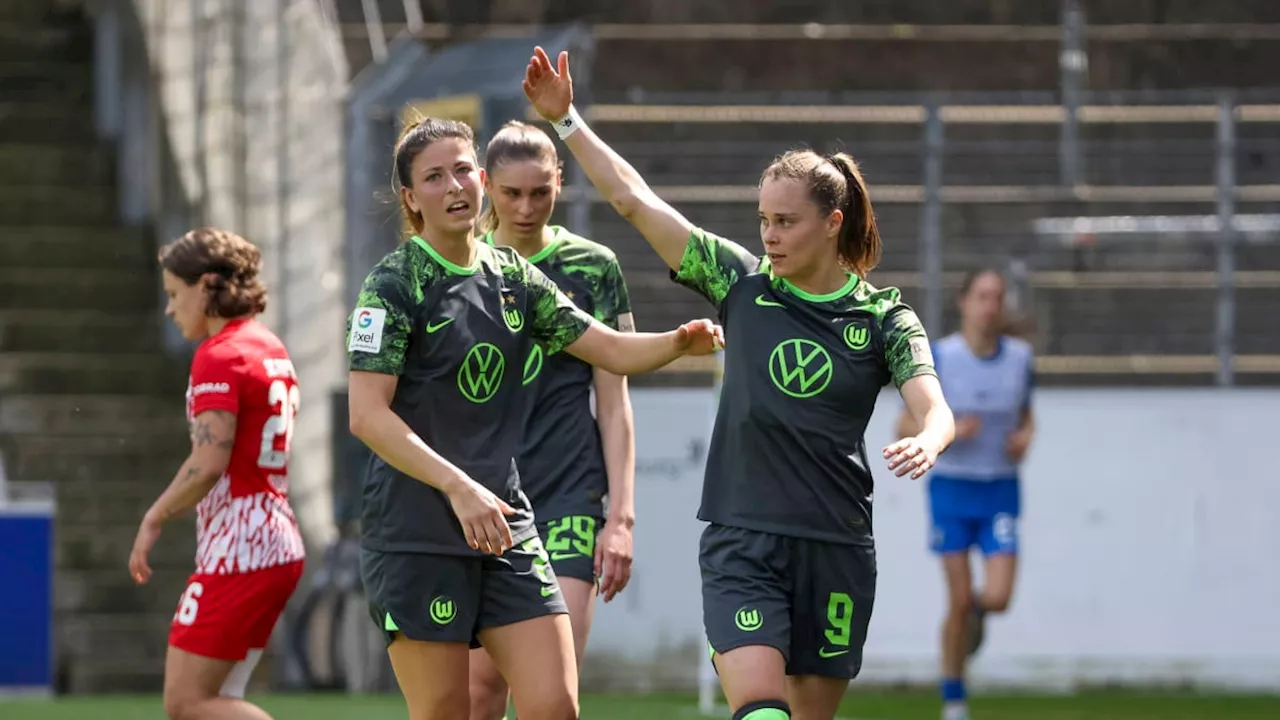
211, 428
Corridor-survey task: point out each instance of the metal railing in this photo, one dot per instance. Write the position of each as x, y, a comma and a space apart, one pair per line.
1200, 143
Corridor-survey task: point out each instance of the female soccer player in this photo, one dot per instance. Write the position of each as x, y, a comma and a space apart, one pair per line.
973, 491
569, 459
788, 561
241, 403
437, 346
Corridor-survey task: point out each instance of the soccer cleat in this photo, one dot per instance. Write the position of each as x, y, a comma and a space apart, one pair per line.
975, 629
955, 711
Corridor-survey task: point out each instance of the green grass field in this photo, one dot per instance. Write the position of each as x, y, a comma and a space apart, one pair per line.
858, 706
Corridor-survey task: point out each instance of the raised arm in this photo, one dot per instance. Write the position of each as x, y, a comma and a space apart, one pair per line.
550, 91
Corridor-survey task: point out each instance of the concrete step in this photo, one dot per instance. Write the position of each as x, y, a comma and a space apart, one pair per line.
29, 41
33, 162
43, 122
56, 289
88, 545
73, 247
114, 652
77, 473
89, 206
66, 416
56, 81
1150, 322
89, 333
103, 676
110, 590
106, 442
29, 13
76, 374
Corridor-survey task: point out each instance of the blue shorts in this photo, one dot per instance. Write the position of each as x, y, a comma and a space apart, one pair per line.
966, 513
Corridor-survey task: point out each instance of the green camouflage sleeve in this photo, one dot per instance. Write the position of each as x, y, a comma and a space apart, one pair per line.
906, 346
379, 330
612, 301
711, 265
557, 322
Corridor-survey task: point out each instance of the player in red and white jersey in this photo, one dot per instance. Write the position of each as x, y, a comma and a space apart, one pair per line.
242, 399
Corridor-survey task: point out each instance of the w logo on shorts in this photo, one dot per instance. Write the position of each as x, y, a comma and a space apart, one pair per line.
748, 620
443, 611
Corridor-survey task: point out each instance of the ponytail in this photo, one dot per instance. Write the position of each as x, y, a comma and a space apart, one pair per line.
859, 242
488, 219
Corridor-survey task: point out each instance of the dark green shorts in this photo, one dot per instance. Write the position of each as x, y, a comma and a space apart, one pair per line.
811, 600
449, 598
571, 545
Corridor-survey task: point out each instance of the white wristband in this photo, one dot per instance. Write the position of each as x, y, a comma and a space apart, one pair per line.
569, 124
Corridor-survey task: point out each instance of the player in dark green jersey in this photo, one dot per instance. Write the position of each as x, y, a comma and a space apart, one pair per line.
788, 560
451, 556
570, 458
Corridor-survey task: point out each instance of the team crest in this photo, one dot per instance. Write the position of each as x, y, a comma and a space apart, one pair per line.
857, 335
511, 314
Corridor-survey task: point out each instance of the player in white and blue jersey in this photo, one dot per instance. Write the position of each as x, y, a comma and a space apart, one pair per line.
987, 378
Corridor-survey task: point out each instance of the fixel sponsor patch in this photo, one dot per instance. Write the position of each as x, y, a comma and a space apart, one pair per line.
366, 330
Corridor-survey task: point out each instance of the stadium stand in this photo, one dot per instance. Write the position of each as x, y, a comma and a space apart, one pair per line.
694, 103
86, 389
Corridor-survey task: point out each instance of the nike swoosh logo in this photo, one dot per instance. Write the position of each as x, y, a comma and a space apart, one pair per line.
564, 555
825, 653
762, 302
548, 591
436, 326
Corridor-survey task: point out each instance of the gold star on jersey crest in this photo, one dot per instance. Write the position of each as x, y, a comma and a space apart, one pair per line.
508, 299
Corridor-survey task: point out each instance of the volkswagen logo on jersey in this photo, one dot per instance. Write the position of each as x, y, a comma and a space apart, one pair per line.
800, 368
481, 373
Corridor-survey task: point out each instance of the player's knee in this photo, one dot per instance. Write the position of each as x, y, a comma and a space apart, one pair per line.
548, 706
488, 696
959, 602
453, 704
996, 602
179, 706
764, 710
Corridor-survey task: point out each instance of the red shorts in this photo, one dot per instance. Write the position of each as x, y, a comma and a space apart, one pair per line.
225, 616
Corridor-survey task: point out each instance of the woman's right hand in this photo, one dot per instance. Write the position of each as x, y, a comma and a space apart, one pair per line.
548, 90
482, 516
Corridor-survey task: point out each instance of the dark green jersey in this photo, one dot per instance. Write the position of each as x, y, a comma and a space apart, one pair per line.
801, 377
455, 337
562, 460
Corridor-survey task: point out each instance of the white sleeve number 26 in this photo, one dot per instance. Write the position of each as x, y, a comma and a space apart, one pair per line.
287, 397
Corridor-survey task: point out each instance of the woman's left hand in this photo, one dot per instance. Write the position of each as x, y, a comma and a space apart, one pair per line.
915, 455
699, 337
